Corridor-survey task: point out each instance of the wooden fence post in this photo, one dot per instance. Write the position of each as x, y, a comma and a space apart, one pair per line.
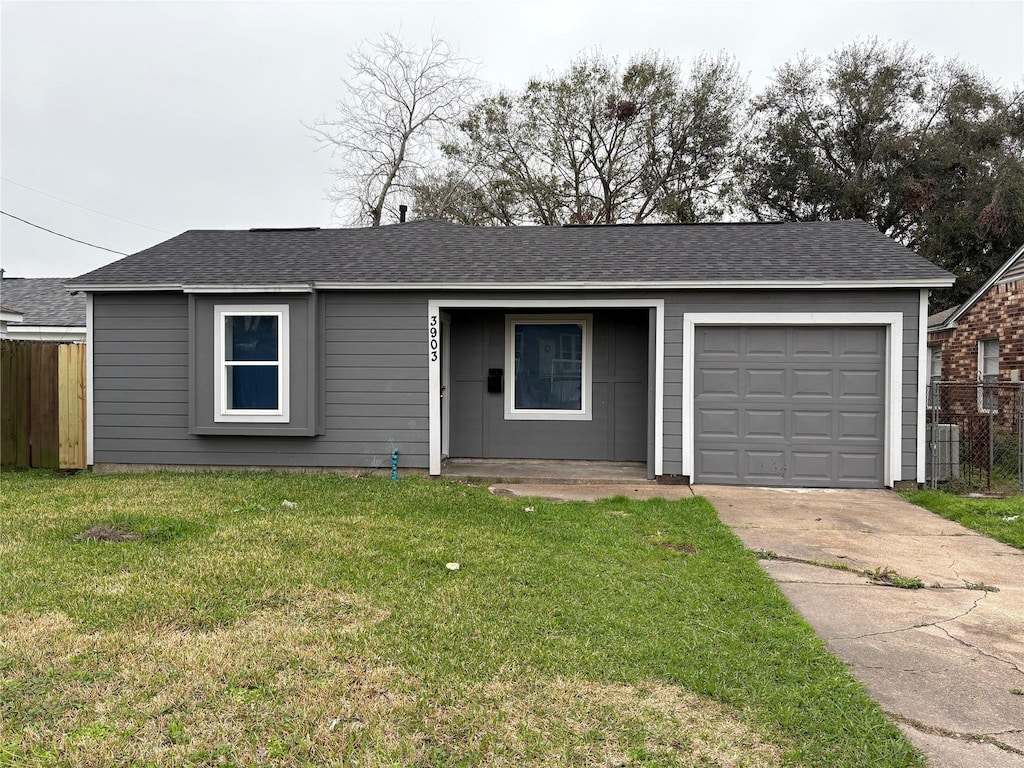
15, 403
44, 413
71, 395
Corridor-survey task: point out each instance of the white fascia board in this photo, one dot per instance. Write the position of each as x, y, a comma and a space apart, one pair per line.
635, 285
231, 288
123, 288
277, 288
893, 321
593, 285
46, 332
11, 317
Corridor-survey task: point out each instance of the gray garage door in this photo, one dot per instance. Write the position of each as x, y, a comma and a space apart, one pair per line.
789, 406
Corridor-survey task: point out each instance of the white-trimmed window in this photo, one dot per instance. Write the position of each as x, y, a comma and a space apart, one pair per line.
934, 374
988, 370
548, 366
934, 364
251, 371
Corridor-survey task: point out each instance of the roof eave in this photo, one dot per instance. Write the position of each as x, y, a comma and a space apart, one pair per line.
597, 285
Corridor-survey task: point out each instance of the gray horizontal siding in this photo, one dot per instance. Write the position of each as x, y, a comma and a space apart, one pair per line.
375, 392
376, 375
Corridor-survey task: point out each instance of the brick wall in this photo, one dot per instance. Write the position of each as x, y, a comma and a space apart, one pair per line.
999, 314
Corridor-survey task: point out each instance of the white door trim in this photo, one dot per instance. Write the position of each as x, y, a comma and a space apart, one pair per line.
446, 378
90, 378
923, 362
893, 323
434, 364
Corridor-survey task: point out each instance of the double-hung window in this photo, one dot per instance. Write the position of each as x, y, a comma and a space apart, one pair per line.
251, 369
934, 373
988, 370
548, 364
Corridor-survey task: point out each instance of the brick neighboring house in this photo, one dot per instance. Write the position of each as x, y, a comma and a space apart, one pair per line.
983, 338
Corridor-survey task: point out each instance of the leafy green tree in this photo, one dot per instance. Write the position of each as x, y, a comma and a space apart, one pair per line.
930, 153
968, 199
603, 144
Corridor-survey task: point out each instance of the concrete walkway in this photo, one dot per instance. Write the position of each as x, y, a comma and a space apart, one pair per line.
945, 662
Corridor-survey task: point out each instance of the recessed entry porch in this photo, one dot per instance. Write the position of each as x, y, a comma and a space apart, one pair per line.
571, 385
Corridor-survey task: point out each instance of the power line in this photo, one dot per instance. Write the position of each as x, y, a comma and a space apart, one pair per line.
83, 207
58, 234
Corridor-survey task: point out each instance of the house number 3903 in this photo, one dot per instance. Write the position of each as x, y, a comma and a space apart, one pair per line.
434, 343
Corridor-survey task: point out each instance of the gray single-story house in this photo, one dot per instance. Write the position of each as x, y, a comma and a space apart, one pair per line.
766, 354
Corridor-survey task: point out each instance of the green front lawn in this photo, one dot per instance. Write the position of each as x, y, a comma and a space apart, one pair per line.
237, 630
1002, 519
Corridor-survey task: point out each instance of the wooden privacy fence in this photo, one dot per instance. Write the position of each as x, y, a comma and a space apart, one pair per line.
42, 405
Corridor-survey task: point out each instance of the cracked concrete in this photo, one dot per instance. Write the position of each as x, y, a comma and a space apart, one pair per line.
942, 661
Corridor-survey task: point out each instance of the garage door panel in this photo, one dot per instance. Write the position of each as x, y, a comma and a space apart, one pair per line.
860, 343
718, 422
765, 382
719, 342
720, 381
812, 383
764, 466
720, 465
865, 467
861, 384
814, 416
765, 423
812, 467
764, 342
859, 425
812, 425
810, 343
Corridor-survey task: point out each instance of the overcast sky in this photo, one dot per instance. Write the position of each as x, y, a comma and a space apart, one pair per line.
186, 115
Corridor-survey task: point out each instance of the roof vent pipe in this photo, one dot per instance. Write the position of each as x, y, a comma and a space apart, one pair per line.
402, 210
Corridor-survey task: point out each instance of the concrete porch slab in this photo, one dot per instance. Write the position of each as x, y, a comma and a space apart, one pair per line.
549, 472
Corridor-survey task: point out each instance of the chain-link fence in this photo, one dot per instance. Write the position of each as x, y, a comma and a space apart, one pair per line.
975, 436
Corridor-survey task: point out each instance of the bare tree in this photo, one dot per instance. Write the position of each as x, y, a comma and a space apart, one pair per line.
399, 103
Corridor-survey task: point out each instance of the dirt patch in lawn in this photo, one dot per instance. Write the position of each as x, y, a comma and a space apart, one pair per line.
294, 682
265, 689
688, 549
107, 533
584, 723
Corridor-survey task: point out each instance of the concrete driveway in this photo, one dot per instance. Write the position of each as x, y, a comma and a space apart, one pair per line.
946, 662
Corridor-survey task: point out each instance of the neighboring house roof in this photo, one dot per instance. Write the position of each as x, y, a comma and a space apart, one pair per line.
1011, 270
432, 253
940, 317
43, 301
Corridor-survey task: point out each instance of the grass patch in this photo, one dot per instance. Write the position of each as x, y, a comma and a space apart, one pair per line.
239, 631
1001, 519
890, 578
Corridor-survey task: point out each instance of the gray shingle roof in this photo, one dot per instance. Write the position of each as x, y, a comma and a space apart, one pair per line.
940, 317
439, 253
43, 301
